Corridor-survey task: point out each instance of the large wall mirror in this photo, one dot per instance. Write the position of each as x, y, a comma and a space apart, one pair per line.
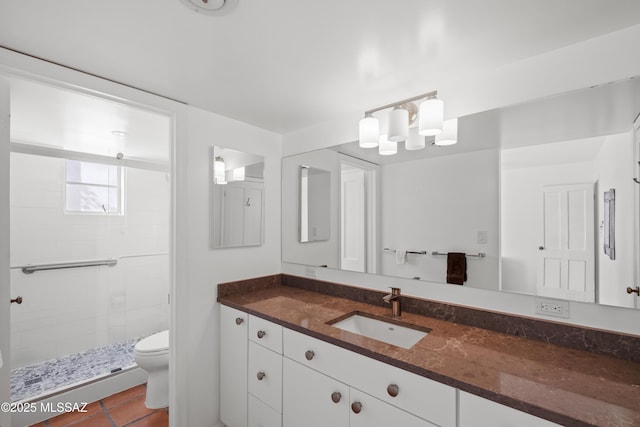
522, 195
237, 198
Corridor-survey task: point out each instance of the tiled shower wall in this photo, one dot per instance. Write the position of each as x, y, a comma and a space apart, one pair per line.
70, 310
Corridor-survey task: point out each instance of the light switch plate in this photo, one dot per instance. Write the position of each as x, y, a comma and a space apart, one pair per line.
482, 237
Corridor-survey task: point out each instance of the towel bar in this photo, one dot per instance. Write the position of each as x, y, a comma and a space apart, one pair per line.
409, 252
478, 255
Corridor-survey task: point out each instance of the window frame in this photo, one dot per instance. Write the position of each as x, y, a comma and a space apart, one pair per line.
119, 186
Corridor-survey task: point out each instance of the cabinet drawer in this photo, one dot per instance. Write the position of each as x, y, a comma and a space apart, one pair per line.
374, 412
421, 396
265, 375
265, 333
479, 412
261, 415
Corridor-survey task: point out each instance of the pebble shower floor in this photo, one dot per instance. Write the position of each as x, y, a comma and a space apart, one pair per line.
55, 374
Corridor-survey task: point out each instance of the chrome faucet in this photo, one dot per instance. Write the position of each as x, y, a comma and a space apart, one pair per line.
394, 299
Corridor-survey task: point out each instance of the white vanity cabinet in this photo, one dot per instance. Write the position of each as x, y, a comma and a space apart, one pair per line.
272, 376
233, 366
478, 412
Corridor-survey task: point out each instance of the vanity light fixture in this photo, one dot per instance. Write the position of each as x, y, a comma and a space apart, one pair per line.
404, 113
415, 140
219, 175
431, 116
387, 147
449, 134
369, 131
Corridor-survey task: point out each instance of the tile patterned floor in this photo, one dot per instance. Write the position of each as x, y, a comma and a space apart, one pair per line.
125, 409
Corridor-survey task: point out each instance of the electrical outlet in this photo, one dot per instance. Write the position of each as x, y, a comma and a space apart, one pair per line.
551, 307
310, 271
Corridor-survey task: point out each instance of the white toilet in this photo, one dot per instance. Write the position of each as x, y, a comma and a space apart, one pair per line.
152, 355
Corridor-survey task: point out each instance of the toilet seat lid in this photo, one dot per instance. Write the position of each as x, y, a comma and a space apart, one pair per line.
154, 343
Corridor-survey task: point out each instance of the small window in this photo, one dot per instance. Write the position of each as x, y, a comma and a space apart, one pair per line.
93, 188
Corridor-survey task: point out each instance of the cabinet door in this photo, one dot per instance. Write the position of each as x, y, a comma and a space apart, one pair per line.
265, 375
233, 367
478, 412
372, 412
261, 415
253, 216
311, 399
233, 220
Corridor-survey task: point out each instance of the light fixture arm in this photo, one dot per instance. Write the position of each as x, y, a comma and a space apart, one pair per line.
431, 94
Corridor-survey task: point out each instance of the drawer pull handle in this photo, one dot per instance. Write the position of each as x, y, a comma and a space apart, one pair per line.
393, 390
336, 396
239, 321
261, 375
261, 334
356, 407
309, 354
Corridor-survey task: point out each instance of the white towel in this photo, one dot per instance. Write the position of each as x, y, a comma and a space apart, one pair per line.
401, 256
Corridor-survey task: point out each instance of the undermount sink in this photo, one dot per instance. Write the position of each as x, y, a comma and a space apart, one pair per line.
381, 329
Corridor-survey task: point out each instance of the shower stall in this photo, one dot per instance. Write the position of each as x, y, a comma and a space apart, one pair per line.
90, 236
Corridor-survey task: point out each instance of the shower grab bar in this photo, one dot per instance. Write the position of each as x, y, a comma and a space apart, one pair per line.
409, 252
478, 255
29, 269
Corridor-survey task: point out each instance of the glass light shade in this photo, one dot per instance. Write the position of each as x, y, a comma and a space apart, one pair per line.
218, 171
415, 141
398, 124
431, 117
369, 131
386, 147
449, 135
238, 174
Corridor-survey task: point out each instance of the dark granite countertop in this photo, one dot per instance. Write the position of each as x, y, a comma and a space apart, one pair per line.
568, 386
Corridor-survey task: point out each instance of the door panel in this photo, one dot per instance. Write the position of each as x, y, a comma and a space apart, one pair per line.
353, 217
566, 256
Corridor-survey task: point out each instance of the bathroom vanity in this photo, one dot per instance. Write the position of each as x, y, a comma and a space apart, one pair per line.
283, 363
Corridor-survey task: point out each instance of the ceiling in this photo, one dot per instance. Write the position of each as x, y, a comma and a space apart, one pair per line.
286, 64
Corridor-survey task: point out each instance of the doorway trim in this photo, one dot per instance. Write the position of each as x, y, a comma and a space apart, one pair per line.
14, 64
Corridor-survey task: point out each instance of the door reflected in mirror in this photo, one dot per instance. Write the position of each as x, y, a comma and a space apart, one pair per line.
237, 198
315, 204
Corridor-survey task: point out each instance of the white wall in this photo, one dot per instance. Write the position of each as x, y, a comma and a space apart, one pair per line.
451, 198
198, 349
70, 310
615, 164
325, 252
596, 61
